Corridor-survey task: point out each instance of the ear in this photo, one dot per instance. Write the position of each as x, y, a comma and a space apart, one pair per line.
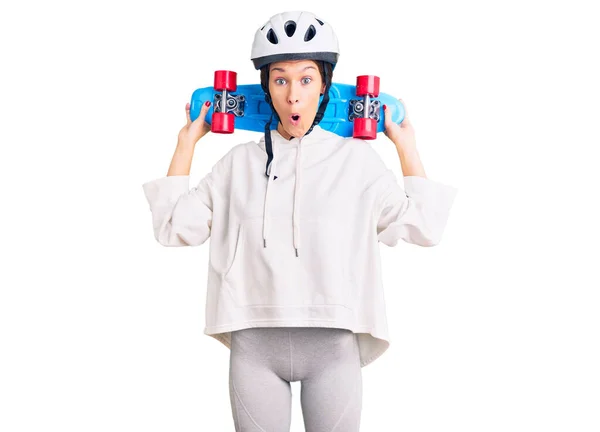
323, 89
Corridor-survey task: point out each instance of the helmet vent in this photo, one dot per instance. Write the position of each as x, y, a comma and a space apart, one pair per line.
272, 37
320, 22
310, 33
290, 28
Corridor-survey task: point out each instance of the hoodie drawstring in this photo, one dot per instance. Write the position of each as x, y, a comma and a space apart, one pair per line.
295, 217
266, 206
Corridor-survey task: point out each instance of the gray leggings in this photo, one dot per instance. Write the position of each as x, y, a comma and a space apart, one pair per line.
264, 361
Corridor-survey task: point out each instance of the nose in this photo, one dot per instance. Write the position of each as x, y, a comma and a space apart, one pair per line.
293, 94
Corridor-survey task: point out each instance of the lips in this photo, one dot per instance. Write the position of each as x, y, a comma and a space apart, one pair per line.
295, 119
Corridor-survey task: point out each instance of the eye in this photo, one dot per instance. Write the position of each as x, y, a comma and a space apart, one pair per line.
280, 81
306, 80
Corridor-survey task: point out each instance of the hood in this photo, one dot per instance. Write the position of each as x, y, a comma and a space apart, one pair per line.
317, 136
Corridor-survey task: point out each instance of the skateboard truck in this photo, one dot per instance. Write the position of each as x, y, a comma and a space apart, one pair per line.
357, 106
235, 103
365, 114
224, 104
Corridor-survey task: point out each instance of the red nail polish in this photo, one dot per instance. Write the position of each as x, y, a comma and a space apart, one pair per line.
384, 107
207, 103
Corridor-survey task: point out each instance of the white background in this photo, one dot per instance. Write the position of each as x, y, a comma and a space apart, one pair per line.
495, 329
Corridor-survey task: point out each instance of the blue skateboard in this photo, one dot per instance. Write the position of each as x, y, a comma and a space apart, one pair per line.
246, 107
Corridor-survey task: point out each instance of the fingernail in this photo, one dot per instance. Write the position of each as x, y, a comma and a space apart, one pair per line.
384, 107
207, 103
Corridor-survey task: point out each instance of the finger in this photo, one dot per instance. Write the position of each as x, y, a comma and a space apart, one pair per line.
187, 113
387, 114
203, 112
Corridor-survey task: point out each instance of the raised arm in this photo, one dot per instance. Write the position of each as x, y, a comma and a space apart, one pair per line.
182, 216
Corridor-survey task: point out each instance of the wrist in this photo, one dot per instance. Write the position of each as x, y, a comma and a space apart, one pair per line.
184, 145
406, 149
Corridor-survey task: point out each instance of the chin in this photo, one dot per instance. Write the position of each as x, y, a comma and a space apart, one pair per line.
295, 131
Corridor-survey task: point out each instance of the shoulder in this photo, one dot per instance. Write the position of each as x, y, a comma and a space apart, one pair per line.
237, 151
226, 163
359, 153
376, 176
366, 150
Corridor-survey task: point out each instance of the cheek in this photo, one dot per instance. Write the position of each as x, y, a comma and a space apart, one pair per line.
277, 93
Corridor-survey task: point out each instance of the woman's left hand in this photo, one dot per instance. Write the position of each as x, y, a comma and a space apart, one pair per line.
403, 134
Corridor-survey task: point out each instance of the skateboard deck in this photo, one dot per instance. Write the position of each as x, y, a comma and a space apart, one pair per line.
251, 112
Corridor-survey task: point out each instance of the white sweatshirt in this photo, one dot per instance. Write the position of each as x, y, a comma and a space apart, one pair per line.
299, 248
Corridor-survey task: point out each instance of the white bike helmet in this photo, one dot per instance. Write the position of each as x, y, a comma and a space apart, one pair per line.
294, 36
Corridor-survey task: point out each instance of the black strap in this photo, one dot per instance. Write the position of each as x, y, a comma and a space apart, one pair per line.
268, 146
324, 102
268, 143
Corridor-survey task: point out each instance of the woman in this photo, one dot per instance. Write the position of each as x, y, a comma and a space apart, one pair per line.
294, 283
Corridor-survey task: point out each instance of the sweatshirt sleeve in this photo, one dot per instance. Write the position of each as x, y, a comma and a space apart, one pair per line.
417, 215
182, 216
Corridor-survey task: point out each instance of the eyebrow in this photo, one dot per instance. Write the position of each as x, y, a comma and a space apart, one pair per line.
283, 70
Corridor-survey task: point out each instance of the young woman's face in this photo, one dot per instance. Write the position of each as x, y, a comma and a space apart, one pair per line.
295, 88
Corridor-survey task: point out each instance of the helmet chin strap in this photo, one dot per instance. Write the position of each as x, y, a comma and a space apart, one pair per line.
318, 117
324, 102
268, 143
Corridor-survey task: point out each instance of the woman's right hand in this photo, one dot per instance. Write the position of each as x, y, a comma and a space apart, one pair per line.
194, 130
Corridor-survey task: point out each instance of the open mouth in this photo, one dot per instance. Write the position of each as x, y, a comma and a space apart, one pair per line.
295, 119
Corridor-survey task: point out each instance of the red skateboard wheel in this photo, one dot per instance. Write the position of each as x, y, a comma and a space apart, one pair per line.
222, 123
367, 85
365, 128
225, 80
